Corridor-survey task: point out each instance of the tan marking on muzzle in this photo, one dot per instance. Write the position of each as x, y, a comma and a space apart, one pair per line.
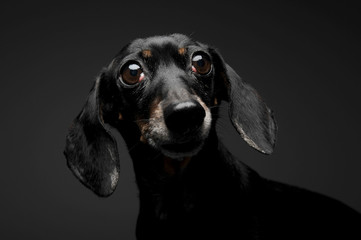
154, 109
142, 139
143, 124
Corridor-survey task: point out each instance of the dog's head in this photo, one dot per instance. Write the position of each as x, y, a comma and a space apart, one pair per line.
166, 86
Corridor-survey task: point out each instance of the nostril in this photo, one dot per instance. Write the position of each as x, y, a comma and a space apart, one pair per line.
184, 116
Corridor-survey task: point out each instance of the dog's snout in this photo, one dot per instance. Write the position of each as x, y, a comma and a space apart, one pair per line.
184, 116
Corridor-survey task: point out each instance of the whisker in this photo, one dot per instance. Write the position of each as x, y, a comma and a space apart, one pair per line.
142, 120
156, 156
212, 107
134, 146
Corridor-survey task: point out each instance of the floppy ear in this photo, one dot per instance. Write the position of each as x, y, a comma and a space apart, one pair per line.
249, 114
91, 150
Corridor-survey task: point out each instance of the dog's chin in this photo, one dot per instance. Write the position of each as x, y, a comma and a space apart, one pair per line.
179, 151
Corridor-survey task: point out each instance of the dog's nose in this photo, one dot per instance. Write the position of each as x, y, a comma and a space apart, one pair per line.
184, 116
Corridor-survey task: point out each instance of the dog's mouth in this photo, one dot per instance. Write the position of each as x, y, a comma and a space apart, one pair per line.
180, 150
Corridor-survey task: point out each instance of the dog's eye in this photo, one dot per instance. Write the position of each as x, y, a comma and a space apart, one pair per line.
201, 63
132, 73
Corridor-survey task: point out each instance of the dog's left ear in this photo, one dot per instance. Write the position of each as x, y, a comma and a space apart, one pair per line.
249, 114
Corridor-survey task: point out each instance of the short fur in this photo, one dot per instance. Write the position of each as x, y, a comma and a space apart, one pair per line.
190, 186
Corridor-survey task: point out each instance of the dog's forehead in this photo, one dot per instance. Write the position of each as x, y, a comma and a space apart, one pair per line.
177, 40
157, 48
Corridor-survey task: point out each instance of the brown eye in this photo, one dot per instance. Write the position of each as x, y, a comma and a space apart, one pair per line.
132, 73
201, 63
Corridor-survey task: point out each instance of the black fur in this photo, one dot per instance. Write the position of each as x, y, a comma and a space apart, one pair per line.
207, 193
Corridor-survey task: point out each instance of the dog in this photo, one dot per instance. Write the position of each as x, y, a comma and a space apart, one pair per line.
162, 94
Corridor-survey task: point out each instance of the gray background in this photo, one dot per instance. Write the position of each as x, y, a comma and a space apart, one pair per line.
304, 59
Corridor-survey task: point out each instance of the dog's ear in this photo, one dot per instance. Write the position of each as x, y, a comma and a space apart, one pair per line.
249, 114
91, 150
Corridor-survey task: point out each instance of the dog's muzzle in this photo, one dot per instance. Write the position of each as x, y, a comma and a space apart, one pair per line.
178, 129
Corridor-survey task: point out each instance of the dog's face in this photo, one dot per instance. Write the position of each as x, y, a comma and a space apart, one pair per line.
169, 87
166, 86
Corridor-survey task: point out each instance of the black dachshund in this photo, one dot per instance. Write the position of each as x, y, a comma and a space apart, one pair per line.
162, 94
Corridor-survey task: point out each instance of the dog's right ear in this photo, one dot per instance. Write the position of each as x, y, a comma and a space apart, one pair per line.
91, 150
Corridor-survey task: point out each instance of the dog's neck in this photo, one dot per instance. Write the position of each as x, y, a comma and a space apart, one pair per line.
151, 166
172, 189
